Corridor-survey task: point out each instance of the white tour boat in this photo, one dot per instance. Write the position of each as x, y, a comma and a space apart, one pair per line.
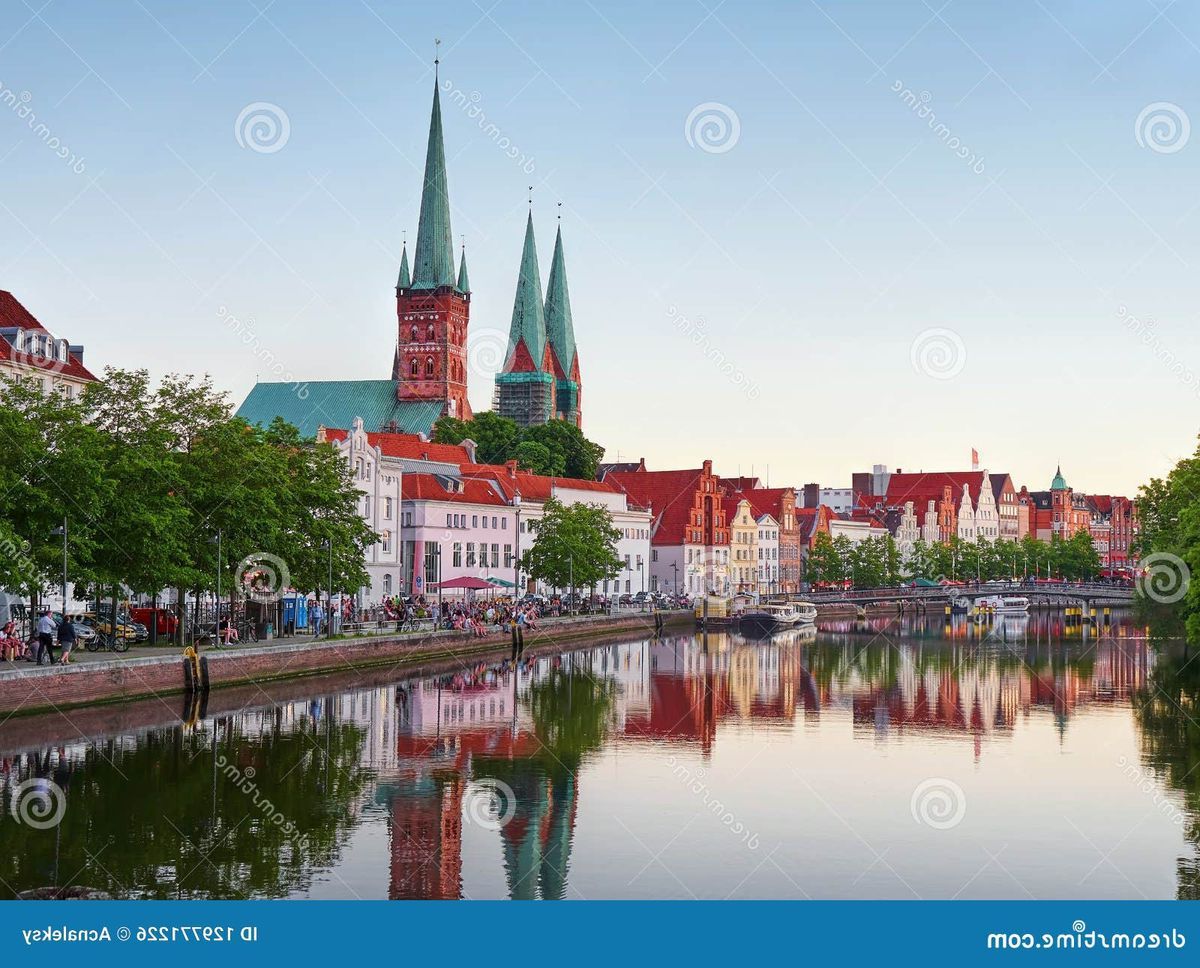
785, 615
1003, 604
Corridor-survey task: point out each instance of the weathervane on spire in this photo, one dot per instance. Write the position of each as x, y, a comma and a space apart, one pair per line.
531, 196
437, 43
560, 211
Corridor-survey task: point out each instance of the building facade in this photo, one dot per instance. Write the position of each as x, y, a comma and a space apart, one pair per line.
31, 353
689, 549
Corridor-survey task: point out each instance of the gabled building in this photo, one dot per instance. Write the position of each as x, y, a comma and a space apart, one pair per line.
743, 544
30, 352
689, 544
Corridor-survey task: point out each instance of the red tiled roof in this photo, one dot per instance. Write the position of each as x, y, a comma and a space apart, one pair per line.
923, 487
669, 494
431, 487
409, 446
537, 487
13, 314
766, 500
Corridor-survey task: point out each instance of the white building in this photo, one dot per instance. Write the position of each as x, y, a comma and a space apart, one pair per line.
908, 532
378, 480
768, 554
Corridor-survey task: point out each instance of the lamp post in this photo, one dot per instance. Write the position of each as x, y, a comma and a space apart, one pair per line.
675, 569
63, 533
217, 610
329, 592
516, 500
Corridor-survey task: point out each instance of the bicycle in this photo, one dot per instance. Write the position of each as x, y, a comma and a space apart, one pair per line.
107, 642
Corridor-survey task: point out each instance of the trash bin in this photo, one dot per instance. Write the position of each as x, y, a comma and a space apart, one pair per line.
268, 632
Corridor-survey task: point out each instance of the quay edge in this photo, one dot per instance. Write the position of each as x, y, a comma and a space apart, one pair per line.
57, 689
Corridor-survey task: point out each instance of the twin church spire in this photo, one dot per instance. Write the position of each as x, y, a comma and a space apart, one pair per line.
540, 379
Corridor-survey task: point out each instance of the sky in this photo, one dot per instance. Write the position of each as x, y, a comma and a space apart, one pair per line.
802, 238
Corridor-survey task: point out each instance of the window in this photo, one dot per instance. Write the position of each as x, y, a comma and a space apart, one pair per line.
387, 508
429, 366
493, 521
470, 554
429, 332
367, 505
495, 556
504, 524
413, 334
458, 554
654, 555
387, 584
474, 520
387, 541
449, 520
414, 368
508, 556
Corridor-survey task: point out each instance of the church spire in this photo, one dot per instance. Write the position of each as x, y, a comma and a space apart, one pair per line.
404, 280
560, 329
464, 284
528, 316
433, 259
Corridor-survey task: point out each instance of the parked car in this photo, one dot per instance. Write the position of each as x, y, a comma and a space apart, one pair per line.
124, 631
166, 620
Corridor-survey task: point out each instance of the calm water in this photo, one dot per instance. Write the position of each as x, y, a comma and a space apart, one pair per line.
883, 761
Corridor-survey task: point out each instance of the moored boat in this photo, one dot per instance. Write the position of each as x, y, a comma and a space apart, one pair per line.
785, 615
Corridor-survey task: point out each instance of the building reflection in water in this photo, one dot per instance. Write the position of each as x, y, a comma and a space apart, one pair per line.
428, 756
532, 727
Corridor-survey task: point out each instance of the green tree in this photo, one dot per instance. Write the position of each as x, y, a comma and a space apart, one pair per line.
575, 546
556, 448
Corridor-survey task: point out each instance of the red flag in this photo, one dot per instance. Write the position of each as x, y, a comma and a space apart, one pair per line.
974, 459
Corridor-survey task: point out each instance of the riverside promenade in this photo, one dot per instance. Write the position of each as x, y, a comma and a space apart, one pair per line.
162, 671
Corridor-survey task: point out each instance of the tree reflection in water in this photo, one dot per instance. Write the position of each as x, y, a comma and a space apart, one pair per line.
248, 807
1166, 711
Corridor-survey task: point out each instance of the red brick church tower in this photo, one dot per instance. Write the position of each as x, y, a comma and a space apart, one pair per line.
433, 306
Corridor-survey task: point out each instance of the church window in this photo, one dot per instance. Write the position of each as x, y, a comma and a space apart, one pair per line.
413, 334
429, 366
414, 368
429, 332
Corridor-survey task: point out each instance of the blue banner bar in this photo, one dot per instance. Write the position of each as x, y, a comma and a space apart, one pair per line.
853, 932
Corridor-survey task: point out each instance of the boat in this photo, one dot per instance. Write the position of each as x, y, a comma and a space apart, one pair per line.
1003, 604
785, 615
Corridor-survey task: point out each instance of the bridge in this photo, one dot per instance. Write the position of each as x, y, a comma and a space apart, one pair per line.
1050, 593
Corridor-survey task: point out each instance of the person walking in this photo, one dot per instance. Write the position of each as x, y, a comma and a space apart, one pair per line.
45, 634
66, 640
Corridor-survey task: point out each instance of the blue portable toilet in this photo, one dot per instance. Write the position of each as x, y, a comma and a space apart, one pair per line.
295, 613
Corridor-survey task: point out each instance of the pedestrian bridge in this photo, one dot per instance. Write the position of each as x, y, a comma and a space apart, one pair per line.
1050, 593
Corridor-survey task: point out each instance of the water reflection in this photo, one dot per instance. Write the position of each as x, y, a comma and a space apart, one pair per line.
485, 772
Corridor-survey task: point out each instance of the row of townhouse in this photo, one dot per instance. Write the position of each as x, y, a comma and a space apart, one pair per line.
442, 516
981, 506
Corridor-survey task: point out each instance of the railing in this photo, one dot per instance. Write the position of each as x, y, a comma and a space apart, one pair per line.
1088, 590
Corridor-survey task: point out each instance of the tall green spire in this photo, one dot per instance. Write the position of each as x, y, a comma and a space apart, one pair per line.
528, 317
404, 280
560, 329
433, 260
1059, 483
464, 284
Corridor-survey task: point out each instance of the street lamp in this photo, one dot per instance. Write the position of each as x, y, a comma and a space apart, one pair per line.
675, 568
516, 500
216, 539
63, 533
329, 592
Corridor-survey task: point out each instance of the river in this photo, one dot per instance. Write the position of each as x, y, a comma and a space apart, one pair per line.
892, 759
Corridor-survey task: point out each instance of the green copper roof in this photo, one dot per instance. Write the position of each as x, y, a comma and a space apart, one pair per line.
528, 317
1059, 483
559, 328
433, 260
335, 403
404, 280
464, 284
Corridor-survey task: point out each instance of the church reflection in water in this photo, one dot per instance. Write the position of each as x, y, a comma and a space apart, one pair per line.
271, 801
517, 736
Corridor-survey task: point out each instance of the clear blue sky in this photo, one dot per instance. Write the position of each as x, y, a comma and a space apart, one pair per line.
813, 254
